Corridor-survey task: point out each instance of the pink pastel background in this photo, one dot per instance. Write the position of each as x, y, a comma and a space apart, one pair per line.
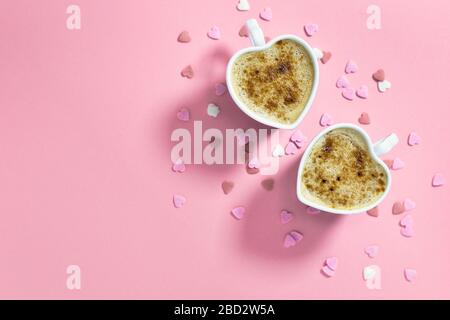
85, 170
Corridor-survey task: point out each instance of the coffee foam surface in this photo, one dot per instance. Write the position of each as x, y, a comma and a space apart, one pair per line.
277, 82
340, 172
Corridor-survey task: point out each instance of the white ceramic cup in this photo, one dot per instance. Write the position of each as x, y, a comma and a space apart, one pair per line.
259, 44
375, 149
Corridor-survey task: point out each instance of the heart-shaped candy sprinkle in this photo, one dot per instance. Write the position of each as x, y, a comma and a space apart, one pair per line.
292, 238
220, 89
342, 82
213, 110
184, 37
312, 211
187, 72
214, 33
238, 212
326, 57
268, 184
286, 216
311, 29
243, 5
326, 270
397, 164
373, 212
408, 204
363, 92
349, 93
179, 201
372, 251
398, 208
326, 120
413, 139
379, 75
252, 170
410, 274
407, 231
438, 180
278, 151
364, 118
266, 14
291, 148
183, 114
332, 263
254, 163
179, 166
384, 85
243, 32
369, 272
227, 186
351, 67
406, 221
298, 138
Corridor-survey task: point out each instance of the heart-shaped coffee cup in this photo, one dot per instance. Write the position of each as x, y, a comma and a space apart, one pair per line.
257, 38
374, 151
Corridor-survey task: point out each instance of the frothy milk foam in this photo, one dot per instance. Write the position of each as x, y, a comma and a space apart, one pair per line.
277, 82
340, 172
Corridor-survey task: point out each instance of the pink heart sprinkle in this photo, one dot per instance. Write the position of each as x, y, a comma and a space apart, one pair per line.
298, 137
326, 57
342, 82
398, 208
238, 212
372, 251
438, 180
328, 271
220, 89
266, 14
312, 211
243, 32
364, 118
184, 37
188, 72
349, 93
214, 33
363, 92
326, 120
410, 274
407, 231
373, 212
254, 163
179, 201
332, 263
413, 139
351, 67
311, 29
291, 148
183, 114
406, 221
286, 216
296, 235
397, 164
289, 241
408, 204
179, 166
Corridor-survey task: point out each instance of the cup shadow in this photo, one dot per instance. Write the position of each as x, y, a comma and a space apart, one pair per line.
263, 233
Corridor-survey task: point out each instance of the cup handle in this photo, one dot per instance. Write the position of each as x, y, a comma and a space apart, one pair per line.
255, 33
385, 145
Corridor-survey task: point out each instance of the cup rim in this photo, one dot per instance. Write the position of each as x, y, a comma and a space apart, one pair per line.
255, 116
375, 157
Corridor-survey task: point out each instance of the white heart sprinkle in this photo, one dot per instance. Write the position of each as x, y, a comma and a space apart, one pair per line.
213, 110
383, 86
278, 151
243, 5
369, 272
